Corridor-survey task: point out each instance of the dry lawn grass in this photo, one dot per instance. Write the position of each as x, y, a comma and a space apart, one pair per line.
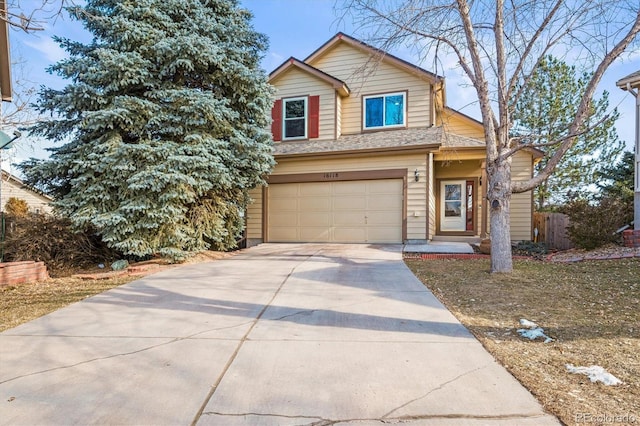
591, 309
25, 302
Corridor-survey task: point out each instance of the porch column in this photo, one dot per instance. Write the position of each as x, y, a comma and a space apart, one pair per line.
484, 209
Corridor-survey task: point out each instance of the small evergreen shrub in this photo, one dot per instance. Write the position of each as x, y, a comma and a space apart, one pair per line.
594, 225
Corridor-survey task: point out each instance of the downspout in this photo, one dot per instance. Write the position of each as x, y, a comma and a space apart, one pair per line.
636, 190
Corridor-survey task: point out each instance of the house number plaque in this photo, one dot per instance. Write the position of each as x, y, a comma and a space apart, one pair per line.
330, 175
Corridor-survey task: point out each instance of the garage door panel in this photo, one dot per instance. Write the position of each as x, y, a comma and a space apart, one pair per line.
349, 235
314, 219
350, 188
285, 219
285, 204
349, 203
368, 211
348, 218
315, 203
314, 189
314, 235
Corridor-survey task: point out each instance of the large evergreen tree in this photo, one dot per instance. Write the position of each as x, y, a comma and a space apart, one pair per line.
543, 115
616, 179
165, 119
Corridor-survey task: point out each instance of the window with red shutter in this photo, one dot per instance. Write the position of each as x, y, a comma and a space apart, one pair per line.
276, 116
314, 117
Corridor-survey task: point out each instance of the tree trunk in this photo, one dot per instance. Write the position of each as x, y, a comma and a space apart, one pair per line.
499, 196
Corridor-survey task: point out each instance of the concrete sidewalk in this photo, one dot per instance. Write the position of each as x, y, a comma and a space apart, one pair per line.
277, 335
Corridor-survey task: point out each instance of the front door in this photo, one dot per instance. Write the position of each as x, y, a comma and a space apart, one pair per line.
453, 211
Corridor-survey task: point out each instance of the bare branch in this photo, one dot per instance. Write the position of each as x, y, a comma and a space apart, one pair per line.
33, 19
583, 109
518, 146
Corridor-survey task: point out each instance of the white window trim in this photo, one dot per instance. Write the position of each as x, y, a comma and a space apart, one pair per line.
284, 117
384, 95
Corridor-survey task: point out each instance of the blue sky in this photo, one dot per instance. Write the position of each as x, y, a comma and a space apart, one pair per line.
295, 28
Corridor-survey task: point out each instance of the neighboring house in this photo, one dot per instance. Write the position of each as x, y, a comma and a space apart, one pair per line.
14, 187
368, 152
631, 83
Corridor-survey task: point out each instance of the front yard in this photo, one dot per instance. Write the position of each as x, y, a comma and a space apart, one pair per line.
590, 309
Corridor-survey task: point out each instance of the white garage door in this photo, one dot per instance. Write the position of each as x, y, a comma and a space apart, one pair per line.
363, 211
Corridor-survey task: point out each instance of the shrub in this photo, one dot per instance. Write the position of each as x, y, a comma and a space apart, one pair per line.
51, 240
594, 225
16, 207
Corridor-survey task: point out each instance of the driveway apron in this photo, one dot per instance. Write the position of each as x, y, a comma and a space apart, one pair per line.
279, 334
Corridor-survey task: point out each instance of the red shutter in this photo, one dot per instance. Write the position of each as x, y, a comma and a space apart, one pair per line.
314, 117
276, 124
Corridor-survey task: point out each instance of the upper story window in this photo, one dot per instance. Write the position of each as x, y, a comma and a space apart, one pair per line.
294, 118
383, 111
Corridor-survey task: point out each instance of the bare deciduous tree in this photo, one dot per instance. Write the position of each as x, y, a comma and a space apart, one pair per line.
499, 45
30, 15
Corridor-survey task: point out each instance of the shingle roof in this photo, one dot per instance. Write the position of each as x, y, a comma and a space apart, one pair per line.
431, 137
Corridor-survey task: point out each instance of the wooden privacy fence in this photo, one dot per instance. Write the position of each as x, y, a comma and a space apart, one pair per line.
552, 230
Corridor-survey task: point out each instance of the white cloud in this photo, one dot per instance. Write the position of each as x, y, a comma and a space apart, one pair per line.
49, 48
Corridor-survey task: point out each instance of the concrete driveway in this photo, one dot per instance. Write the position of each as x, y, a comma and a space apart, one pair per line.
277, 335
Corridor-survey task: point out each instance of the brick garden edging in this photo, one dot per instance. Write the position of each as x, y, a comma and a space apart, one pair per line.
12, 273
631, 238
430, 256
580, 258
549, 258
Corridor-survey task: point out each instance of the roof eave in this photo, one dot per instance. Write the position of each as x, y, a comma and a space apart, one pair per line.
351, 152
632, 80
339, 85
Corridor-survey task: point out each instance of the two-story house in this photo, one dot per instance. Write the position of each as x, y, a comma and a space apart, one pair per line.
368, 152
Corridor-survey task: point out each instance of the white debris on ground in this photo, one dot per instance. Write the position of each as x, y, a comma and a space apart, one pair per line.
596, 374
532, 331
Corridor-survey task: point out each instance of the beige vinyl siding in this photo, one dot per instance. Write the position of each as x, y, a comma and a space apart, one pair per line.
338, 116
254, 214
298, 83
36, 202
416, 191
521, 204
347, 63
459, 125
432, 198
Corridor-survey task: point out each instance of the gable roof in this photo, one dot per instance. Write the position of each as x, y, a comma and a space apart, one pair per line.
292, 62
632, 80
374, 52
